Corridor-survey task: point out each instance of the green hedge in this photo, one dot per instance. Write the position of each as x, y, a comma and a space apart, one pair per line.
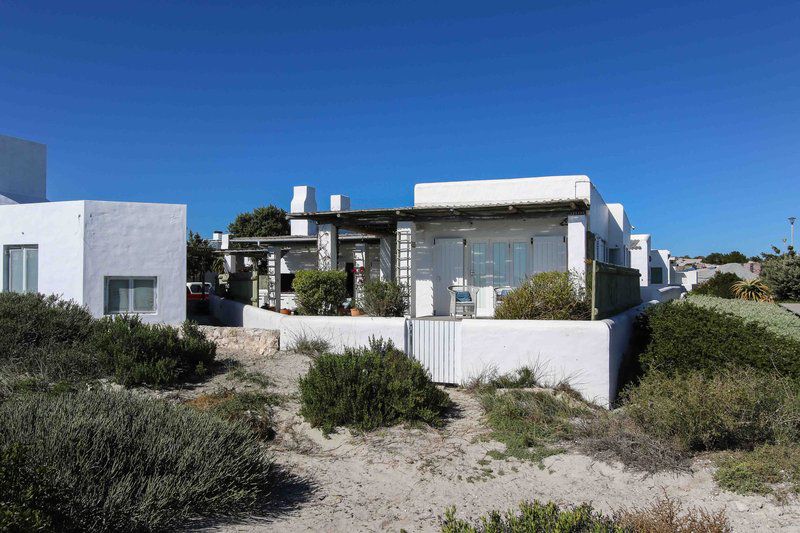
782, 275
320, 292
385, 298
104, 461
683, 337
546, 296
368, 388
720, 285
775, 318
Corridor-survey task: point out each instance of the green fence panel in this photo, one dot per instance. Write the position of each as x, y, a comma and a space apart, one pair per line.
614, 289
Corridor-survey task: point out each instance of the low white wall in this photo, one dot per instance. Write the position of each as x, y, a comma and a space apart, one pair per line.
586, 354
662, 293
232, 313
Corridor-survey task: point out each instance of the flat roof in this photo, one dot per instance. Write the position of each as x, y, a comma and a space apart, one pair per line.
289, 239
384, 220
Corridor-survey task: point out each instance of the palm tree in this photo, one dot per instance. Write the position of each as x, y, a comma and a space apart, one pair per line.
752, 289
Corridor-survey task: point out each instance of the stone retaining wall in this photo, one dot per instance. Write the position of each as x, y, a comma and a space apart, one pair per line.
252, 341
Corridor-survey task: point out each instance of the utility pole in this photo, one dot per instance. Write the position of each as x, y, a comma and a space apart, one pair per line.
791, 224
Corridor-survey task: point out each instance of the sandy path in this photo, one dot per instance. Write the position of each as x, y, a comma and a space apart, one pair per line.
404, 478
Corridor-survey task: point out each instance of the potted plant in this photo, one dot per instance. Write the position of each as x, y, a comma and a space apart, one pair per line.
286, 312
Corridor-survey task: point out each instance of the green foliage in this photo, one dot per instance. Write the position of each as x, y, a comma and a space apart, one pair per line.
775, 318
734, 408
684, 337
385, 298
117, 462
253, 409
753, 290
266, 221
369, 388
546, 296
490, 380
320, 292
717, 258
24, 500
529, 422
720, 285
152, 353
199, 257
311, 346
759, 470
782, 275
534, 517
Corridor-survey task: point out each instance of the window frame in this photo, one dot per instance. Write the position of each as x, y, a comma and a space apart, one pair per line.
131, 280
7, 266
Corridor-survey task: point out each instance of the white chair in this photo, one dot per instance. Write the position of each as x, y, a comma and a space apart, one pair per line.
462, 300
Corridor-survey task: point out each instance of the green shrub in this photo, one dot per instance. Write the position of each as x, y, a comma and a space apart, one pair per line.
529, 422
684, 337
24, 501
760, 470
33, 320
546, 296
534, 517
320, 292
782, 275
152, 354
253, 409
369, 388
775, 318
735, 408
385, 298
117, 462
720, 285
310, 345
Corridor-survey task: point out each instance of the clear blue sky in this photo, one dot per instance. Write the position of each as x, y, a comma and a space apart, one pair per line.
688, 113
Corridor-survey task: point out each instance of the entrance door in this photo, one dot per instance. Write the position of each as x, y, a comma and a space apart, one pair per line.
549, 254
480, 277
448, 269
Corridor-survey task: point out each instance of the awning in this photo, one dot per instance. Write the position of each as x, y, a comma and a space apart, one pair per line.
384, 220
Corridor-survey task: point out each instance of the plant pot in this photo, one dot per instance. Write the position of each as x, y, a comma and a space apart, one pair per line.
355, 312
285, 312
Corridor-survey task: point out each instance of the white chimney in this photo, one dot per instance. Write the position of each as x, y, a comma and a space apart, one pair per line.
340, 202
304, 200
216, 235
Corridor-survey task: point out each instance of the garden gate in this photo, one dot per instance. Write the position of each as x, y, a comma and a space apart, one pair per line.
436, 344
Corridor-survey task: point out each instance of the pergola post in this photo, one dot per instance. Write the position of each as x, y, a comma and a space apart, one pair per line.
576, 245
404, 264
359, 267
327, 246
385, 258
274, 278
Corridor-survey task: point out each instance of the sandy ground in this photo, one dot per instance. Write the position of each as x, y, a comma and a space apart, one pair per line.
404, 478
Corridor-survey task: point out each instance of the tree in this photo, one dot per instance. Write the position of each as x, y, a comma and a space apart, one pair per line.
266, 221
718, 258
199, 257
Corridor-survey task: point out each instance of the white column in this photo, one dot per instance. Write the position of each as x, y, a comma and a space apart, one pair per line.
359, 265
385, 258
327, 246
229, 260
404, 261
576, 245
274, 278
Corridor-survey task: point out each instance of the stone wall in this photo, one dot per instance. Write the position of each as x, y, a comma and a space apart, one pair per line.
249, 341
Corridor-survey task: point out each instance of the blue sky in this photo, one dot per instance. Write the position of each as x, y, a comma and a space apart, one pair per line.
688, 113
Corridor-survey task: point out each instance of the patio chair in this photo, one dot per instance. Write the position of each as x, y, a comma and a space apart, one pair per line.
500, 294
462, 300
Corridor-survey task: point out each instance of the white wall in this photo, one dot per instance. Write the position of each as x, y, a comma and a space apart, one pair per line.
342, 331
137, 239
640, 258
502, 190
619, 233
23, 171
660, 259
57, 229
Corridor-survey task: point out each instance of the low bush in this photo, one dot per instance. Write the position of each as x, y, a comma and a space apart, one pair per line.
766, 469
685, 337
385, 298
546, 296
310, 345
720, 285
734, 408
664, 516
320, 292
782, 275
490, 379
24, 501
152, 353
253, 409
775, 318
117, 462
529, 423
368, 388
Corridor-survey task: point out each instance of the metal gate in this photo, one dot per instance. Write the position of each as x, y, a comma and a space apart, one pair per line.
436, 344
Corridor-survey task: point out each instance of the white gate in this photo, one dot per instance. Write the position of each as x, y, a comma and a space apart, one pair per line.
436, 344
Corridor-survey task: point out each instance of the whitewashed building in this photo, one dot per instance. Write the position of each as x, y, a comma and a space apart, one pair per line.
112, 257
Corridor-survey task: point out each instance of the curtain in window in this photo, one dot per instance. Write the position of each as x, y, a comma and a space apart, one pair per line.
500, 253
117, 296
15, 266
144, 295
31, 270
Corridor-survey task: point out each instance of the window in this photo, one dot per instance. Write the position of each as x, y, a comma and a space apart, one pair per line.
656, 275
21, 265
130, 295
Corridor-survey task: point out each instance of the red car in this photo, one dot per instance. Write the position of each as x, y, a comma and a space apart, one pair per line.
194, 291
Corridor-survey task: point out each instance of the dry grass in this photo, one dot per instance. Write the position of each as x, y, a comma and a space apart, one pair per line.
667, 516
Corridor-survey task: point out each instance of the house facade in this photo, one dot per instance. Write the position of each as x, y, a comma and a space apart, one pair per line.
484, 234
111, 257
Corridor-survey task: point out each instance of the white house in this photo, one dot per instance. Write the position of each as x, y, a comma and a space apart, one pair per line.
112, 257
481, 233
